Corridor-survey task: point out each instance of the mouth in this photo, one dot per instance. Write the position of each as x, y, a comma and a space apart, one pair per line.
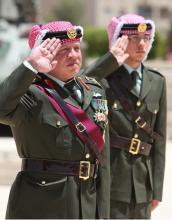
72, 64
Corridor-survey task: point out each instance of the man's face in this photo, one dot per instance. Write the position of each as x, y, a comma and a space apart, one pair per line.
69, 60
137, 48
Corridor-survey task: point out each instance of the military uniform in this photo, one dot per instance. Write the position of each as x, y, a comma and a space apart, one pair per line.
41, 133
135, 178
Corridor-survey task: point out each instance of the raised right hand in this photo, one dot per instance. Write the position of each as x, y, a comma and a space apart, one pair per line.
42, 57
118, 49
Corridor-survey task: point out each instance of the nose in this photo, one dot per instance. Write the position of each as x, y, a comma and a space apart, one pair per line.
72, 53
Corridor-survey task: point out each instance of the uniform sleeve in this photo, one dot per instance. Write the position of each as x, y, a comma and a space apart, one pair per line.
11, 90
102, 67
159, 147
104, 189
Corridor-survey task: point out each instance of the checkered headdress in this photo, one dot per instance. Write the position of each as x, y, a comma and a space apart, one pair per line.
63, 30
130, 24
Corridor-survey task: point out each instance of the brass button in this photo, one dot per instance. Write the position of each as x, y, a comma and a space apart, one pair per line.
115, 105
87, 156
58, 124
136, 135
155, 111
138, 103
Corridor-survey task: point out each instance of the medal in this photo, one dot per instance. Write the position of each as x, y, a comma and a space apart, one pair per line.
100, 117
100, 107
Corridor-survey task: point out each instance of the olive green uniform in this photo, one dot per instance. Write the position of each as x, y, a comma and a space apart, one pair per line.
41, 133
135, 179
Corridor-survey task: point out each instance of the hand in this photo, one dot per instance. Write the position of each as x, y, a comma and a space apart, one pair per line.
118, 49
42, 56
155, 203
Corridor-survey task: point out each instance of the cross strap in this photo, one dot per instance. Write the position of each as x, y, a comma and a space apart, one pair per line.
93, 140
141, 123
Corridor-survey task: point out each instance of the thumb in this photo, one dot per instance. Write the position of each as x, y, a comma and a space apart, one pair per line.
53, 64
126, 55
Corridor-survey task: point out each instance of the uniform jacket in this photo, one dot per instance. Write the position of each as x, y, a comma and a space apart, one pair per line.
41, 133
144, 175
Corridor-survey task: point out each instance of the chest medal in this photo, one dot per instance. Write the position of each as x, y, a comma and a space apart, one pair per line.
100, 107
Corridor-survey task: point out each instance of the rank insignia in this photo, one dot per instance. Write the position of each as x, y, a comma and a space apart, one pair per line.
99, 104
142, 27
71, 33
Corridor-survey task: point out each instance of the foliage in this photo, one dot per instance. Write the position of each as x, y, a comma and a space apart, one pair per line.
69, 11
96, 41
158, 48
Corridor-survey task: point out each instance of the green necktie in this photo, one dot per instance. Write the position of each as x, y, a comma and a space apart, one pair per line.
134, 77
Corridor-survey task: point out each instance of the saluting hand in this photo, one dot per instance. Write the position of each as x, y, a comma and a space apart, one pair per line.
42, 57
118, 49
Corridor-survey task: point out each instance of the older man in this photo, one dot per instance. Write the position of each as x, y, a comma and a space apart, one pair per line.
61, 175
59, 123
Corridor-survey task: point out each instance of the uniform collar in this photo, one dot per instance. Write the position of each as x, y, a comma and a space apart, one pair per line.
130, 69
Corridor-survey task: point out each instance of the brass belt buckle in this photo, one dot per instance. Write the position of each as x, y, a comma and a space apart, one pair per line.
134, 146
84, 170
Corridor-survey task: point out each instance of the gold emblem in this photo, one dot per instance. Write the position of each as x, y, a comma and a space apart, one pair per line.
142, 27
71, 33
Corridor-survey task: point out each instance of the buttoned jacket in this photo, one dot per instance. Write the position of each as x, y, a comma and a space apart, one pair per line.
41, 133
142, 175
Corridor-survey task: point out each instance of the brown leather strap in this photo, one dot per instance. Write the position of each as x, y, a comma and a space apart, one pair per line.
82, 169
128, 107
133, 146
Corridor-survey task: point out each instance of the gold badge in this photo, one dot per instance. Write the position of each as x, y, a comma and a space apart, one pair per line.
71, 33
142, 27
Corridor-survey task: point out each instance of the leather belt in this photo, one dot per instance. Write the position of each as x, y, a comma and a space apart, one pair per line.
83, 169
133, 146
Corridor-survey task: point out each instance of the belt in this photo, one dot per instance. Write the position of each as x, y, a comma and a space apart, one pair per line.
134, 146
83, 169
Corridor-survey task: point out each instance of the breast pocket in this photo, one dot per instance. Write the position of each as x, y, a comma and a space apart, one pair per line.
153, 109
59, 129
119, 119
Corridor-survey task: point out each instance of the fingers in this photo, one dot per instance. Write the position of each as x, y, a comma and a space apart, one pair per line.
121, 42
51, 45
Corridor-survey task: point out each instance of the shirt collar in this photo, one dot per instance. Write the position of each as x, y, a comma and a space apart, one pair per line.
130, 69
58, 81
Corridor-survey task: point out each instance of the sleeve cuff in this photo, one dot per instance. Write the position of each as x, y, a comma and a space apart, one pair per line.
29, 66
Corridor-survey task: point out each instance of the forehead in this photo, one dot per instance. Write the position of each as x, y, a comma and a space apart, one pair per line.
139, 34
70, 45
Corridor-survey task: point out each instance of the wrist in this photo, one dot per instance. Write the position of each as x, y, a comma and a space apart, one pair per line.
30, 66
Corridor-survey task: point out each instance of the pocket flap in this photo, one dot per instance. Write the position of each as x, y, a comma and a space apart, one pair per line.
54, 120
153, 107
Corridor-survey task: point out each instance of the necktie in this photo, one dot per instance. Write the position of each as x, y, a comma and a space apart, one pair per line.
134, 77
74, 90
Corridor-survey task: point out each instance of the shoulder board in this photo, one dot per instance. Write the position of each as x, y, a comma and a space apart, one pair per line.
92, 80
154, 70
86, 81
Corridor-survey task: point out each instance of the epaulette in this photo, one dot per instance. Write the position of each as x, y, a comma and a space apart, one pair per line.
154, 70
92, 80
